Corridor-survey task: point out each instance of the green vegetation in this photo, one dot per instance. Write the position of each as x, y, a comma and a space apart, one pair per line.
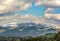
55, 37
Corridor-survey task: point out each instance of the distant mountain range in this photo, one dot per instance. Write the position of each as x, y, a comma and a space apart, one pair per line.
25, 29
28, 25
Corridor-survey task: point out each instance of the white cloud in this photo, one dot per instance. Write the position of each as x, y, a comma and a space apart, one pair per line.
52, 16
14, 5
39, 2
49, 10
17, 5
17, 18
49, 3
26, 6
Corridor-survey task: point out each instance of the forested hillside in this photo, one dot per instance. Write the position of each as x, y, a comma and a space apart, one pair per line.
55, 37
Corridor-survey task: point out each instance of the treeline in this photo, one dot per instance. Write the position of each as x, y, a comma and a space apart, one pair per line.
55, 37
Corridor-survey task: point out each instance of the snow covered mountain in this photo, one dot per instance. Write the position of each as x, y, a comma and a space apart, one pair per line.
25, 25
26, 29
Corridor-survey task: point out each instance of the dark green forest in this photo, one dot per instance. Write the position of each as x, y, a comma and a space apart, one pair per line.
55, 37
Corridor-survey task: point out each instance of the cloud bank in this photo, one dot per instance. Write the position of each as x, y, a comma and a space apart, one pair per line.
52, 16
18, 5
14, 5
48, 3
19, 18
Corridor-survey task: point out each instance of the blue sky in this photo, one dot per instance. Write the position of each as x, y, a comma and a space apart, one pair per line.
35, 10
57, 11
38, 10
29, 7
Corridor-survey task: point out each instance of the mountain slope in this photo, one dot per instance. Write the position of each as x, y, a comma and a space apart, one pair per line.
25, 25
28, 29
